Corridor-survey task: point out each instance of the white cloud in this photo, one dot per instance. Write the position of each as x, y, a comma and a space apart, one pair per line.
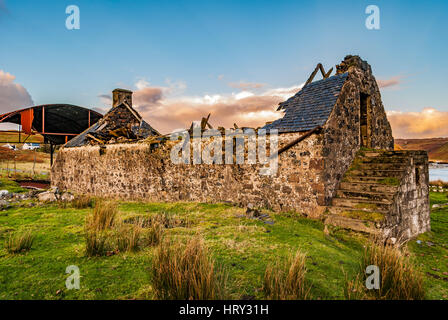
13, 96
243, 94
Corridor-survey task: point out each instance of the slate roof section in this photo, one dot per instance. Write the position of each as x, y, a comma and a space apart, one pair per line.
310, 107
80, 139
111, 121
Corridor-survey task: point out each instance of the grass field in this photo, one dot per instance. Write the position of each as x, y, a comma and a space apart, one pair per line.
242, 246
13, 138
23, 163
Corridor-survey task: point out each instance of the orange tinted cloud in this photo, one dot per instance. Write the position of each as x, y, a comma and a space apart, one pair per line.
246, 85
170, 114
147, 97
167, 112
166, 109
429, 123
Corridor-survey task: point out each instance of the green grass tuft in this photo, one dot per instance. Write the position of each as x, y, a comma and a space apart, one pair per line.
11, 186
19, 242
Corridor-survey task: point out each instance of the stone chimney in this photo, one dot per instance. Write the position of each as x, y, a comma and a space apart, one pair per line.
121, 95
353, 62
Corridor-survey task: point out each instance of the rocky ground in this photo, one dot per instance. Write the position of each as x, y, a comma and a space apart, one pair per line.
8, 199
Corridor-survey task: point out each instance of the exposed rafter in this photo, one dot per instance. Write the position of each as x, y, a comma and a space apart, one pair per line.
325, 75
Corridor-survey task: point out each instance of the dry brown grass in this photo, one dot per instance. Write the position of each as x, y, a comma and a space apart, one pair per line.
103, 216
6, 154
23, 155
155, 234
82, 202
285, 280
19, 242
128, 236
29, 156
168, 220
106, 234
96, 228
96, 243
439, 183
399, 278
186, 272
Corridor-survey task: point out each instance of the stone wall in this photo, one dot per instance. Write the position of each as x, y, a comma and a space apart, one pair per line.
410, 215
307, 177
133, 171
342, 129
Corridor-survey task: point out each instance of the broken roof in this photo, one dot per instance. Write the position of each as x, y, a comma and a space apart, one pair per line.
310, 107
121, 122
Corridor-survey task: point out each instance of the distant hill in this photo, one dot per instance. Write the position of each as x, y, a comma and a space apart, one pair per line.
437, 148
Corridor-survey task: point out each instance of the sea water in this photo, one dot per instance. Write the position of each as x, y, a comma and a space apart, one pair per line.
438, 171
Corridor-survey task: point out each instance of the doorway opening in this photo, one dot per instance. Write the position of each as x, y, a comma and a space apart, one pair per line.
365, 128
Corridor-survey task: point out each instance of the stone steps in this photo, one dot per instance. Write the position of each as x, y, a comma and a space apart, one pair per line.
368, 187
379, 153
382, 165
353, 211
390, 159
367, 191
364, 179
365, 195
351, 223
377, 173
354, 203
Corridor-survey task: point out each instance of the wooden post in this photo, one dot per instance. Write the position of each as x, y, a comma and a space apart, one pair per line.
34, 164
15, 167
51, 154
43, 119
296, 141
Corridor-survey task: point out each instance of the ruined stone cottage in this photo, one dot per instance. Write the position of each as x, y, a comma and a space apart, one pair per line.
336, 161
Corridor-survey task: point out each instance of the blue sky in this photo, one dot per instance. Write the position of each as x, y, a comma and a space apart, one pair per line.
199, 47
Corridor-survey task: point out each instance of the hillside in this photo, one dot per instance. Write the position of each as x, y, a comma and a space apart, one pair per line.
437, 148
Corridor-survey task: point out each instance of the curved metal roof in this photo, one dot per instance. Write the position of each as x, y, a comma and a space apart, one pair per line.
58, 123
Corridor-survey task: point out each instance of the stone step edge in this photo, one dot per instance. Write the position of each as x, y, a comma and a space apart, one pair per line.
366, 210
368, 192
365, 177
351, 224
381, 170
372, 184
366, 201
